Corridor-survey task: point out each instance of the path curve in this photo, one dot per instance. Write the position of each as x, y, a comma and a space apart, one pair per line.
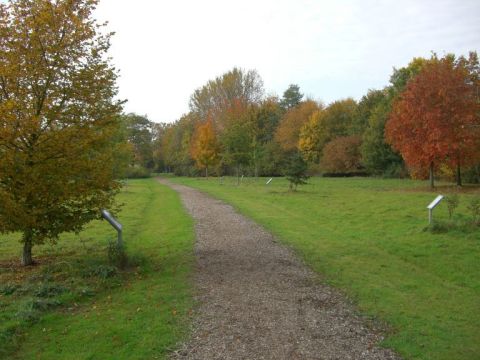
258, 301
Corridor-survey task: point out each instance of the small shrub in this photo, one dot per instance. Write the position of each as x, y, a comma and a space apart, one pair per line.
102, 271
30, 310
117, 255
474, 208
137, 172
438, 227
296, 171
49, 290
44, 304
452, 203
9, 289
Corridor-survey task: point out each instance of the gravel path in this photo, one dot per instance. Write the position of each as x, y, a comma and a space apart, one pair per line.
258, 301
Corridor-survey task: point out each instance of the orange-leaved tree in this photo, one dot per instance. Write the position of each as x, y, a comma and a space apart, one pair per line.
435, 119
205, 148
342, 155
288, 131
58, 119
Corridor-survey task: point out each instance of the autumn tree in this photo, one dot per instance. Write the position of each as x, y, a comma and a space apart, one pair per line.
375, 107
218, 95
58, 117
337, 119
310, 138
288, 131
435, 120
342, 155
205, 148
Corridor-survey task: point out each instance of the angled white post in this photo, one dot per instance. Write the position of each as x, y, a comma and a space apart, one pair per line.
432, 206
115, 224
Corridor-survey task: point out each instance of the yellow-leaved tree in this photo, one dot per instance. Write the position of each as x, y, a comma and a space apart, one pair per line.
58, 119
205, 148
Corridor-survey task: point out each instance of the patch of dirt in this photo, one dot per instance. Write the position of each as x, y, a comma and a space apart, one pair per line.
258, 301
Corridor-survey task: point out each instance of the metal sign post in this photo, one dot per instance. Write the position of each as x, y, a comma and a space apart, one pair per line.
432, 206
116, 225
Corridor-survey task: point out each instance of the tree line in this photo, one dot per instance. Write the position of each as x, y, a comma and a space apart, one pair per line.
425, 121
65, 142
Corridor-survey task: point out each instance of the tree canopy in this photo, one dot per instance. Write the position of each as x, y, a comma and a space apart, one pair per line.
58, 119
291, 97
435, 120
205, 147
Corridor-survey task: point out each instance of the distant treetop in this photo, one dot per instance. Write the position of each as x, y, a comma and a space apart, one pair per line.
291, 97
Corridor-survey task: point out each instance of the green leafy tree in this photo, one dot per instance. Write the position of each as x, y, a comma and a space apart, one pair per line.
291, 97
58, 119
238, 138
296, 170
264, 119
139, 131
378, 157
364, 110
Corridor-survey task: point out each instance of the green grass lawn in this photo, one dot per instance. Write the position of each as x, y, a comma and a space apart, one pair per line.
75, 305
369, 238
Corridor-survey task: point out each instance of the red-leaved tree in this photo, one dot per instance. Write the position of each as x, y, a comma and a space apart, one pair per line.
436, 119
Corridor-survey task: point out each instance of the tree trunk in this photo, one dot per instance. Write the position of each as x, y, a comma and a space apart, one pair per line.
206, 172
432, 179
459, 175
238, 175
27, 249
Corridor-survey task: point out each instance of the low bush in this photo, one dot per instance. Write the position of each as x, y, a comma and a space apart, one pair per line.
9, 289
452, 203
474, 208
102, 271
49, 290
137, 172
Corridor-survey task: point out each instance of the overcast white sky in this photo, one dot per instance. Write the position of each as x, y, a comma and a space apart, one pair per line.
331, 49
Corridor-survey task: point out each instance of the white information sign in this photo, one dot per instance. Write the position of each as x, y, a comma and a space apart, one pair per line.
432, 206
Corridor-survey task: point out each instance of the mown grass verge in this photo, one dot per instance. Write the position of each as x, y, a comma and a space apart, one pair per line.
76, 305
370, 238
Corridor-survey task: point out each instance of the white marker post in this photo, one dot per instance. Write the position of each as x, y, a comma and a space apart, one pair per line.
116, 225
269, 181
432, 206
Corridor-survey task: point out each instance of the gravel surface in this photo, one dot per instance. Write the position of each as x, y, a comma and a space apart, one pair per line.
258, 301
